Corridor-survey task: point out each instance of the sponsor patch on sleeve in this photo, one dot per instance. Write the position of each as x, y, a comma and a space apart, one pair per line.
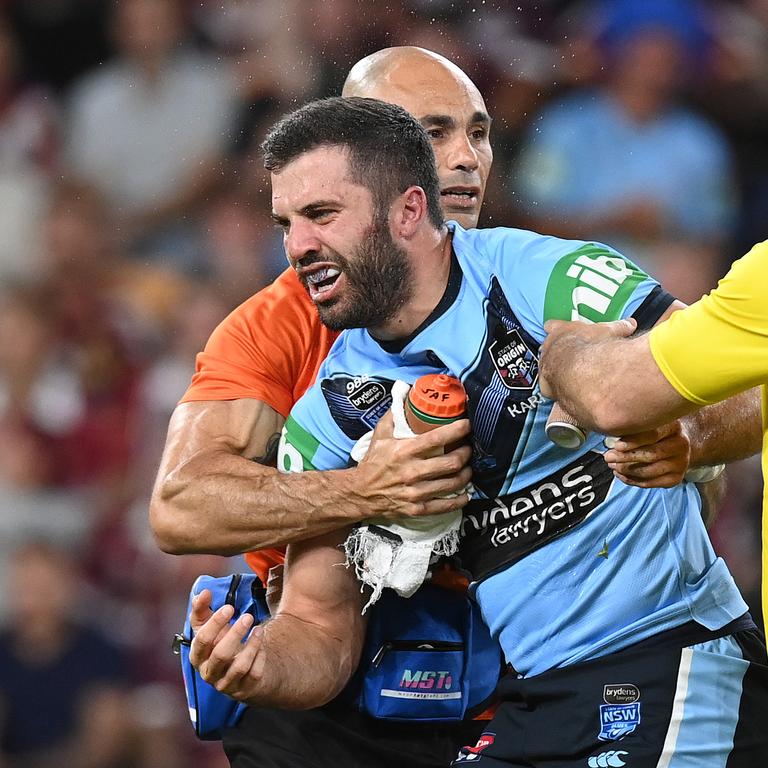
591, 284
356, 403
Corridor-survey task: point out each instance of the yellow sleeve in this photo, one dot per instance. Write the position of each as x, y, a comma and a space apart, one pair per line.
719, 346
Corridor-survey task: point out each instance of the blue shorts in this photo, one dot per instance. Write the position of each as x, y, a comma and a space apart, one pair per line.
659, 704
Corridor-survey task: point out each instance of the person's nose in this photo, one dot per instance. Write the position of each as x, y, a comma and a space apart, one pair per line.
461, 154
300, 240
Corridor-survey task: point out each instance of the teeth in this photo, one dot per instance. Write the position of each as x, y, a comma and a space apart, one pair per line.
323, 274
459, 194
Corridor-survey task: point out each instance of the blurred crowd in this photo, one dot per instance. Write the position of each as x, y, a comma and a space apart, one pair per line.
134, 214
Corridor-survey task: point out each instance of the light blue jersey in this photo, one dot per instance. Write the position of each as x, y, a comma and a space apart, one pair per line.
567, 562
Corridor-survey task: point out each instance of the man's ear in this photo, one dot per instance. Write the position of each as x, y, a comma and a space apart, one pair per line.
409, 211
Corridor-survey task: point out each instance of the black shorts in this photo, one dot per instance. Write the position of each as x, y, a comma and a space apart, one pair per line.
655, 705
335, 735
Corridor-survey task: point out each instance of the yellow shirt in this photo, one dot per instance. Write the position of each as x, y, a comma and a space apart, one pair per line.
719, 346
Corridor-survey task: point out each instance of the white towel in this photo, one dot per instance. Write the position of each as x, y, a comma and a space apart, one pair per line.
397, 555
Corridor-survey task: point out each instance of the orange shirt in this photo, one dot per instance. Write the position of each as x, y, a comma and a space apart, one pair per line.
269, 349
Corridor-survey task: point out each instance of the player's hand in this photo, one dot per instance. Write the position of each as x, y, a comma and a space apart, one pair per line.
405, 478
199, 620
658, 458
562, 334
220, 651
589, 332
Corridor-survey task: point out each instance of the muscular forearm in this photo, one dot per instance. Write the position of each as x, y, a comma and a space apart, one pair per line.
216, 493
613, 386
299, 665
306, 654
719, 434
725, 432
225, 504
577, 380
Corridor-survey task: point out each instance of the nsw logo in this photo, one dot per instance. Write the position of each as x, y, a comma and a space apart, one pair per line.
618, 720
612, 759
513, 360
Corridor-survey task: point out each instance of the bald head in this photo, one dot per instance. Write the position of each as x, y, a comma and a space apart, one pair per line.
451, 109
396, 66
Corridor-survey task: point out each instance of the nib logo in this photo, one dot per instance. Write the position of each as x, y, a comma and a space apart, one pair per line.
610, 759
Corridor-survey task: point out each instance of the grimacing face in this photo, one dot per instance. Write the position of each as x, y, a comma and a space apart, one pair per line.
338, 242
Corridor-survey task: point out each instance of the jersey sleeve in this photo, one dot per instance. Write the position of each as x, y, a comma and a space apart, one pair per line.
553, 279
719, 346
310, 438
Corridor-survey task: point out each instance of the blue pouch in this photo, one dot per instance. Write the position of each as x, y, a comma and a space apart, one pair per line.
428, 657
209, 710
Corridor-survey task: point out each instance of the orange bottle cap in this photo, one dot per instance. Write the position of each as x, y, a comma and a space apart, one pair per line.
438, 396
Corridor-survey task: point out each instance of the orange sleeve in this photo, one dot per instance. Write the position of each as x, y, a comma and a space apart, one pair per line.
269, 349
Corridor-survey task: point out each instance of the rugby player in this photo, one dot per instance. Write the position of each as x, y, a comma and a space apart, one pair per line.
622, 627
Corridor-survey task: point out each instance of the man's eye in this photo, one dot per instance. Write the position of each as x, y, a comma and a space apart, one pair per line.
435, 133
479, 134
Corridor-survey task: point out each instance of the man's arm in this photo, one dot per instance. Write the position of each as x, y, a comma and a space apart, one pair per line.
213, 495
727, 431
613, 384
304, 656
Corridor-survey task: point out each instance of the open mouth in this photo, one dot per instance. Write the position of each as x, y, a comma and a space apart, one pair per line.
459, 197
321, 281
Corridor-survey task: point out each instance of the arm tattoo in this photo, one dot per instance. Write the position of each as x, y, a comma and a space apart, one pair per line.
269, 458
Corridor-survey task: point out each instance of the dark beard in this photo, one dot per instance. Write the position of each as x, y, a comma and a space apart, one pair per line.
379, 282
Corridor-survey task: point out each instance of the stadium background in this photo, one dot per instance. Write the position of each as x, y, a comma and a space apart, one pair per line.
134, 215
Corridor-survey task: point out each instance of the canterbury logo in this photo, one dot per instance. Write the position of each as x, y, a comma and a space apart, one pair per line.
610, 759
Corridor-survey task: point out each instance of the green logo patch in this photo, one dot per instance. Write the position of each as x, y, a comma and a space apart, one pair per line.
297, 448
592, 284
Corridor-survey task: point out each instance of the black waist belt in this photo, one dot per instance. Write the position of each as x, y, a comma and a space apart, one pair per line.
691, 633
